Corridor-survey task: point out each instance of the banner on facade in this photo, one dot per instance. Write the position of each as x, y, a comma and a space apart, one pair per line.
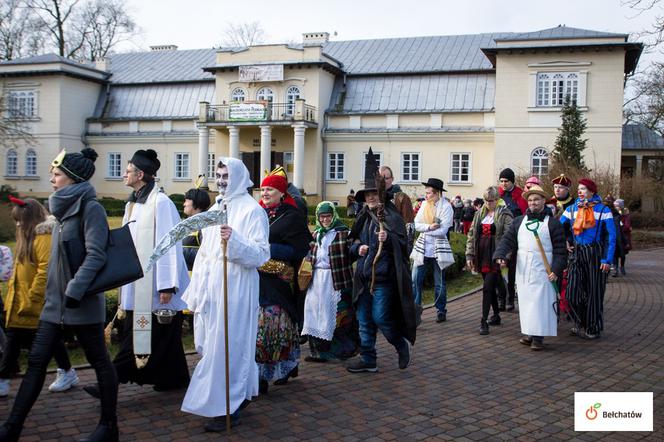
262, 72
247, 111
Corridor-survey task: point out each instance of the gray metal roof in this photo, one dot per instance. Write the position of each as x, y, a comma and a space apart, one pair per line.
447, 53
49, 58
161, 66
416, 93
159, 101
561, 32
636, 136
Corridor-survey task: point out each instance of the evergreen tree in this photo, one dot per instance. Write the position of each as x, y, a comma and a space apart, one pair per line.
569, 146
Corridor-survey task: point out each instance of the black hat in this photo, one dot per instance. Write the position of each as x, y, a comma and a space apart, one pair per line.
507, 174
435, 183
79, 166
146, 161
370, 171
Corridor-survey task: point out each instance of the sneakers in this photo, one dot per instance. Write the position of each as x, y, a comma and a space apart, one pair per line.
64, 380
4, 387
495, 320
362, 367
592, 335
484, 327
404, 356
441, 317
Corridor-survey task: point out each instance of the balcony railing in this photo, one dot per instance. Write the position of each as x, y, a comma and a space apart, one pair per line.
258, 112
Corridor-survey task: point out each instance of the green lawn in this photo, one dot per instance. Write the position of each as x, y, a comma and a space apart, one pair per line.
457, 286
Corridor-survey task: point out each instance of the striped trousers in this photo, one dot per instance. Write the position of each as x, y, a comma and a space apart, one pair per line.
586, 287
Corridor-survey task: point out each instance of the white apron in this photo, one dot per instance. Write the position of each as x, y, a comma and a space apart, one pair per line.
536, 293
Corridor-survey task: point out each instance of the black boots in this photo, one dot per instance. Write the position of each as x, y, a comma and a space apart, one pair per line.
9, 432
291, 374
484, 327
495, 320
105, 432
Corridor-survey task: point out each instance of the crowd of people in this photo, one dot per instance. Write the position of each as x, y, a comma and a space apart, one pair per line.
556, 251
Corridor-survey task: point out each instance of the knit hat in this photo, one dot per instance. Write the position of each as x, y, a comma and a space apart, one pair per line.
79, 166
146, 161
590, 184
507, 174
533, 180
278, 181
562, 180
620, 202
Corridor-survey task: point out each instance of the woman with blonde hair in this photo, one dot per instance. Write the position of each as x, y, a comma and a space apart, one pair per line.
488, 227
25, 293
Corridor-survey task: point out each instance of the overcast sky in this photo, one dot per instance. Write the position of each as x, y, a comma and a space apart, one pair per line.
200, 23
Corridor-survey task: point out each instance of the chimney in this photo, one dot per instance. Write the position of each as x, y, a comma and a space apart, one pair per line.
315, 38
102, 64
163, 48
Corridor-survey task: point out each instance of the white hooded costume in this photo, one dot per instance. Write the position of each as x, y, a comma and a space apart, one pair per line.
248, 249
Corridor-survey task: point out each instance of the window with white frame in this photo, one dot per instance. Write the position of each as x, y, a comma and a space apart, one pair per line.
31, 163
410, 166
288, 162
335, 166
21, 104
114, 162
539, 162
460, 168
238, 94
265, 94
181, 165
11, 166
379, 157
212, 166
553, 87
292, 94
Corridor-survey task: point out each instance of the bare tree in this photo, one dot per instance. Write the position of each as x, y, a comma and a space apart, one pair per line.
103, 24
648, 105
656, 31
20, 35
243, 35
56, 16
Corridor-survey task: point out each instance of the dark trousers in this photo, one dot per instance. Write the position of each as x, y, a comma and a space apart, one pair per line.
91, 338
493, 285
18, 338
586, 287
511, 283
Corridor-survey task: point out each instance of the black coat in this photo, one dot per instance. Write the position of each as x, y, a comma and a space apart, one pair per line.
510, 244
395, 251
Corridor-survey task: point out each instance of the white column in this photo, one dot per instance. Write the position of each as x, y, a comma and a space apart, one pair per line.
298, 156
203, 150
266, 147
639, 166
234, 144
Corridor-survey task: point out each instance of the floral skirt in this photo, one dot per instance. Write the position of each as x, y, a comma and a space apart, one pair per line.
277, 343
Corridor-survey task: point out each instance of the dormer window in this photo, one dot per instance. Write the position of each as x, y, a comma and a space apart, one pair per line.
553, 87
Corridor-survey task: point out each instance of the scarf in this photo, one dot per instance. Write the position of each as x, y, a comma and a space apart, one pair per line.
327, 207
429, 213
61, 200
585, 216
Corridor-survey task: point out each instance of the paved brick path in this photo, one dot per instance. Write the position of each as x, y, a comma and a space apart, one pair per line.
460, 386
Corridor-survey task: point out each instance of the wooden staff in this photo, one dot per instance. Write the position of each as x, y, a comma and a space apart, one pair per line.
224, 245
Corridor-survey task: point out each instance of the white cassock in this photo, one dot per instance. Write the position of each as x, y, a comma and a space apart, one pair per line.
536, 293
248, 249
170, 270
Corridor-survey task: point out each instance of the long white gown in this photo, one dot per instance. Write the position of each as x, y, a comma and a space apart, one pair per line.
248, 249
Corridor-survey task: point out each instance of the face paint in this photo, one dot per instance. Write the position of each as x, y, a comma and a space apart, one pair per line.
222, 180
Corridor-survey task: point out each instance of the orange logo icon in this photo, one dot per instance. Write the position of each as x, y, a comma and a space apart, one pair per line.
591, 412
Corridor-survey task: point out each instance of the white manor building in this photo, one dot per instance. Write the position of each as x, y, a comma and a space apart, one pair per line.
459, 108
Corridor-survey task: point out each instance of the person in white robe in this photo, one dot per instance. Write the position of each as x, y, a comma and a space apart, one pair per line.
246, 232
151, 352
537, 293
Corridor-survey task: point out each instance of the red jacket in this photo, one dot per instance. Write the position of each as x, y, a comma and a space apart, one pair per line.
517, 197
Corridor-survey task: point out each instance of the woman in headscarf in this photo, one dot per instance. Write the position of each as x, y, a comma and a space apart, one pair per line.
82, 236
329, 319
277, 343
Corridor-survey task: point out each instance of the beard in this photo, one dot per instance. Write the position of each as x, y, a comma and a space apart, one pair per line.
222, 187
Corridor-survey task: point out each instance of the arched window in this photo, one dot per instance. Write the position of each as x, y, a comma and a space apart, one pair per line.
265, 94
292, 94
11, 166
31, 163
238, 94
539, 161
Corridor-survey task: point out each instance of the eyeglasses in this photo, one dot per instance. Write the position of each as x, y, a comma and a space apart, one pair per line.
57, 162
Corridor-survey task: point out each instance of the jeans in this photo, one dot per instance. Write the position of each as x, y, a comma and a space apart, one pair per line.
375, 312
440, 288
91, 338
18, 338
